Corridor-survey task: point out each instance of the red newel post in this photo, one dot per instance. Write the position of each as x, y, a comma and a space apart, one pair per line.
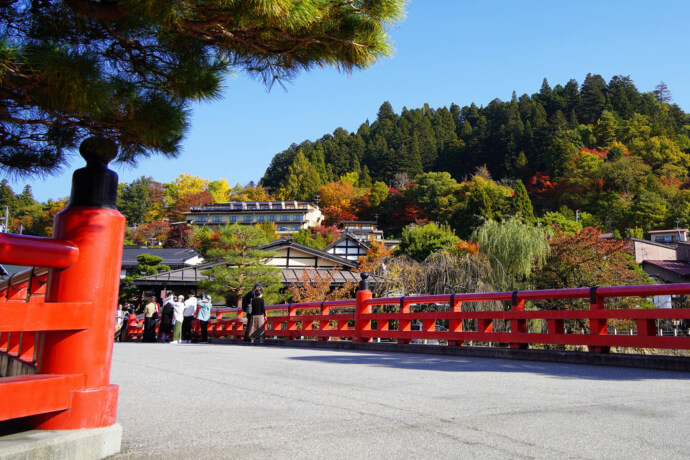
597, 326
455, 325
92, 222
361, 308
518, 325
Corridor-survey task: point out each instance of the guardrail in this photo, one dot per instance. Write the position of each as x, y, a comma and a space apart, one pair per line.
59, 316
355, 319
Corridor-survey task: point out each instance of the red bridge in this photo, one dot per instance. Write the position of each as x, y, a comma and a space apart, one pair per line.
58, 318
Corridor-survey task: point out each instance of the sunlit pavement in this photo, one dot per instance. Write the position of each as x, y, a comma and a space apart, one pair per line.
231, 401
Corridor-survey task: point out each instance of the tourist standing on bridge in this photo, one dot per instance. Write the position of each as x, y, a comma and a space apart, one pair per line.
189, 312
247, 307
257, 319
165, 326
150, 317
178, 316
204, 315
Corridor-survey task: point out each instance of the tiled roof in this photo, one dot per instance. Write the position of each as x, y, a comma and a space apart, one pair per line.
192, 275
677, 267
673, 230
171, 256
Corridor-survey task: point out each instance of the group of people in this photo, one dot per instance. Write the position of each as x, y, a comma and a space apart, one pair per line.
178, 314
174, 319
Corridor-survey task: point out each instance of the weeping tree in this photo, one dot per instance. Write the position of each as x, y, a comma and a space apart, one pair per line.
128, 70
459, 269
520, 248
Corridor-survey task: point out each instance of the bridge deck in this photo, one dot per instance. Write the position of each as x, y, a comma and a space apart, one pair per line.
220, 401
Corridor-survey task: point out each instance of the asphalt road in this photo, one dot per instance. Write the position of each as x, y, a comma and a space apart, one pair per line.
230, 401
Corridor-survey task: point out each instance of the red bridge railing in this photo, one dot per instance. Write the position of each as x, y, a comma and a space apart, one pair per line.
356, 319
59, 317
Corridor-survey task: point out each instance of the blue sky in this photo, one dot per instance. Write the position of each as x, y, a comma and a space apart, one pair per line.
446, 51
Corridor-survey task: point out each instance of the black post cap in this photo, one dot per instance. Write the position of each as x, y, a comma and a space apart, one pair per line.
95, 186
364, 284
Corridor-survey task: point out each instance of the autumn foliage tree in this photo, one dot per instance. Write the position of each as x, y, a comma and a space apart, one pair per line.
584, 259
315, 287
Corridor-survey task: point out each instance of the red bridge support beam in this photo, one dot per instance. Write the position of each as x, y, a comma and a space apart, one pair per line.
92, 222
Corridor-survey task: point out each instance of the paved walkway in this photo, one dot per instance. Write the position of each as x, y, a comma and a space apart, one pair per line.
227, 401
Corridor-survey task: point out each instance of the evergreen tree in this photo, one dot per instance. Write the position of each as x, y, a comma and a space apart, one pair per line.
593, 99
26, 198
302, 181
134, 201
316, 158
386, 112
7, 198
128, 71
521, 203
365, 178
241, 264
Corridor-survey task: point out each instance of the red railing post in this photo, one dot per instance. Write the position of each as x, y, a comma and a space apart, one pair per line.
361, 308
455, 325
324, 325
596, 326
291, 323
518, 325
92, 222
404, 324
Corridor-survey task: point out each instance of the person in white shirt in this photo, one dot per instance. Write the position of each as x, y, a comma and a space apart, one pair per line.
178, 316
189, 312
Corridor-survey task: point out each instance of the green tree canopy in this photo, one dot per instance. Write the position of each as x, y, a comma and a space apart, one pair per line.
420, 242
240, 264
150, 264
302, 181
127, 70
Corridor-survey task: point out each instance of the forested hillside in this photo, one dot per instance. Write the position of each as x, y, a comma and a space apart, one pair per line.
605, 150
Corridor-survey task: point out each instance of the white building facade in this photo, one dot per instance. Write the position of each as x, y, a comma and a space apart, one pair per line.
288, 216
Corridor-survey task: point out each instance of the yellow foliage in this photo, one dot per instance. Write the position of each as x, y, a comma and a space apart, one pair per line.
337, 194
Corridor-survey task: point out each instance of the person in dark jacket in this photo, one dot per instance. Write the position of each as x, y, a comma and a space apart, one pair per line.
165, 326
246, 304
256, 324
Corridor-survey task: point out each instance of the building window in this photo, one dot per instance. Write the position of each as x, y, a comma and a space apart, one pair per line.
201, 219
284, 218
261, 218
217, 219
297, 218
246, 218
272, 218
233, 218
283, 228
265, 206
